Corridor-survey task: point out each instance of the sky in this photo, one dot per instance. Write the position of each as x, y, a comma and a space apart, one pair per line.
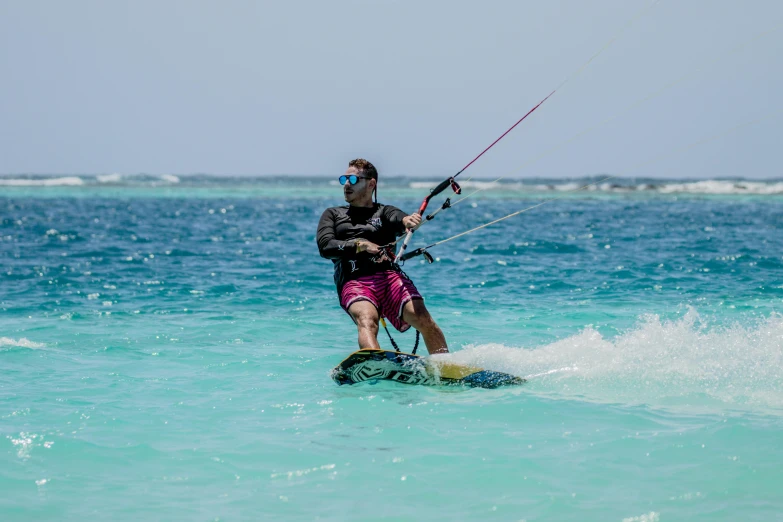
417, 87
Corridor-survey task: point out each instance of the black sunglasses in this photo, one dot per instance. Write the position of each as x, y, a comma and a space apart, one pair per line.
352, 178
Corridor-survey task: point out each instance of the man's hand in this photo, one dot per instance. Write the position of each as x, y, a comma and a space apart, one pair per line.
362, 245
412, 222
380, 255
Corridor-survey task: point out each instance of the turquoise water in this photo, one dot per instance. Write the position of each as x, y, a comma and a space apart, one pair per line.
165, 347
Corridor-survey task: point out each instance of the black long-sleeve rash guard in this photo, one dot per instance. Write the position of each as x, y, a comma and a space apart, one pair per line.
340, 227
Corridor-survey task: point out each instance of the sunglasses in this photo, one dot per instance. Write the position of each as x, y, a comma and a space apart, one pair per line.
353, 179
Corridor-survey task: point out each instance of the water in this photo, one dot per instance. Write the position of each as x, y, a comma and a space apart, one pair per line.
165, 346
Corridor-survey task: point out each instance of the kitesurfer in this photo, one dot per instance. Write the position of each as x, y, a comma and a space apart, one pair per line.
369, 284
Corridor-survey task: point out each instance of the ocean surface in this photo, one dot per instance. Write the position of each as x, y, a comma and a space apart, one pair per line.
166, 344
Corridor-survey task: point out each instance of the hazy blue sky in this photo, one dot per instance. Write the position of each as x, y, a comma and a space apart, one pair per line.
417, 87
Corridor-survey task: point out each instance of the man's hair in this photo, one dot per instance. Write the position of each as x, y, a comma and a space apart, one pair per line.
367, 168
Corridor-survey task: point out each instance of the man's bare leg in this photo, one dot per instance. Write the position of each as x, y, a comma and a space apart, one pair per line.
366, 316
415, 314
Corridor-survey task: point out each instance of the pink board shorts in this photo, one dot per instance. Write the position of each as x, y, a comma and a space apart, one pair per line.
388, 291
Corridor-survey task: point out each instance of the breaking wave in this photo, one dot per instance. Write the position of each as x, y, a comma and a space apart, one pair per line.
109, 178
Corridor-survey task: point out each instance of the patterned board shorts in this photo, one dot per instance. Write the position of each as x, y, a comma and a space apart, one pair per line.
388, 291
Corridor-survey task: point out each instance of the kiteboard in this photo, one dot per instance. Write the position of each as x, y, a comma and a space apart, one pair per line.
386, 365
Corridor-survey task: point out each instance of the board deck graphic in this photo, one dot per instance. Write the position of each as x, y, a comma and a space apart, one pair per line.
386, 365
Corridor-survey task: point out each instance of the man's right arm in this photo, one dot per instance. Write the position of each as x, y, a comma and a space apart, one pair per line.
328, 245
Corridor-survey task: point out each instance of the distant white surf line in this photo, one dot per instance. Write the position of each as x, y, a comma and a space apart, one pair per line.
709, 187
99, 179
45, 182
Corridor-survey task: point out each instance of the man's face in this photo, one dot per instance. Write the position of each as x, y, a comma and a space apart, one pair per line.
361, 191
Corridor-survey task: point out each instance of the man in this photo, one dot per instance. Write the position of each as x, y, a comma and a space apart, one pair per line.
369, 284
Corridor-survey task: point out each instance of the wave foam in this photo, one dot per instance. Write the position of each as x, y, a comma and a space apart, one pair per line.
679, 364
21, 343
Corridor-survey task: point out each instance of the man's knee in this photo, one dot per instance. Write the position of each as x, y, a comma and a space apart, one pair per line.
367, 322
365, 315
